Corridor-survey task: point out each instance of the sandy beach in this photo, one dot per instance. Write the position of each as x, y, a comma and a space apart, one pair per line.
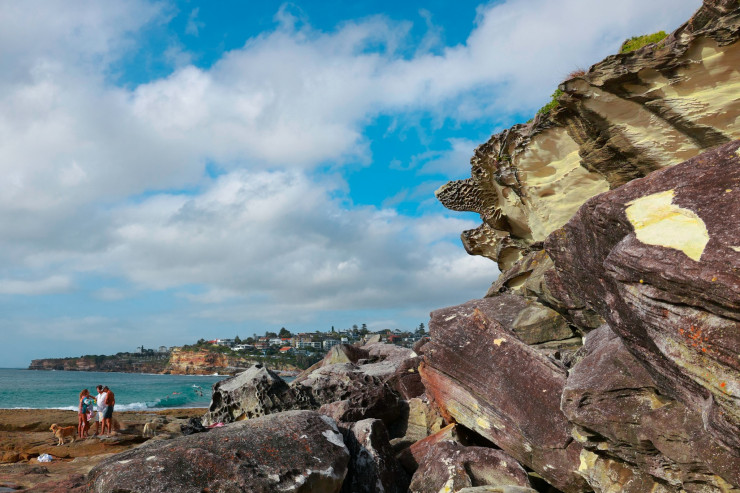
25, 435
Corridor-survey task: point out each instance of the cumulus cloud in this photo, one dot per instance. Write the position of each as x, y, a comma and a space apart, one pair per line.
278, 238
90, 166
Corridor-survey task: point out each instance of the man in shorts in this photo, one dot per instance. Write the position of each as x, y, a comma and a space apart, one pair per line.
100, 399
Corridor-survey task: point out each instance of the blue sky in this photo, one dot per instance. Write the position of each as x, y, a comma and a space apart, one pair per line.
178, 170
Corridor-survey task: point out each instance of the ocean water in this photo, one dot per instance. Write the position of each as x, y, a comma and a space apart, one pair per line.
36, 389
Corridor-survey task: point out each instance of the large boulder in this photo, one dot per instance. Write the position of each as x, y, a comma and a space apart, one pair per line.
483, 377
295, 451
341, 353
373, 465
636, 438
449, 466
345, 392
250, 394
659, 260
529, 320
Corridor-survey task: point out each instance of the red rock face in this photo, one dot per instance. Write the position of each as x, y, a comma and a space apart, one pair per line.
622, 416
481, 376
659, 260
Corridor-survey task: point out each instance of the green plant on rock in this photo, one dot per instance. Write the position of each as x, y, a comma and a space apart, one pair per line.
637, 42
552, 104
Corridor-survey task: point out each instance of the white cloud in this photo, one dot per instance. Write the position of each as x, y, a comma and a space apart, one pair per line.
49, 285
277, 238
83, 159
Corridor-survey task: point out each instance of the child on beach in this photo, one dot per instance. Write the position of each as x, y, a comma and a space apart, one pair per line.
82, 423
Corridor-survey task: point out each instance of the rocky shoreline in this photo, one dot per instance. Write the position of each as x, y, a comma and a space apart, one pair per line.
25, 435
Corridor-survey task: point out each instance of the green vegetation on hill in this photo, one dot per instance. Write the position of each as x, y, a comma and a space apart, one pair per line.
637, 42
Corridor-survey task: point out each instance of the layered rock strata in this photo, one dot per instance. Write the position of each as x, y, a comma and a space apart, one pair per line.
629, 115
659, 259
483, 377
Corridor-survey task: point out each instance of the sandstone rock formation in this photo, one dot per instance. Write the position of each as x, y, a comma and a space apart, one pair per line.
298, 451
628, 428
451, 467
180, 361
659, 259
483, 377
617, 212
253, 393
627, 116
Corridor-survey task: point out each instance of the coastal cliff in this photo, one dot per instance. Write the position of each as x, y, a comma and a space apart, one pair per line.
178, 362
125, 363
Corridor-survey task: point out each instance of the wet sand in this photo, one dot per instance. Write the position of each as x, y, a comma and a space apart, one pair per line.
25, 435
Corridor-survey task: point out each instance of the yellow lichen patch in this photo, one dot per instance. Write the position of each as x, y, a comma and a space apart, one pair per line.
499, 341
483, 423
737, 249
578, 436
656, 401
657, 221
588, 461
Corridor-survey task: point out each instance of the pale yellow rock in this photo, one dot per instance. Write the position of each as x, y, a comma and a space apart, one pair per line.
553, 182
657, 221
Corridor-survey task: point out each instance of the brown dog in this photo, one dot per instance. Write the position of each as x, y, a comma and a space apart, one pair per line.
62, 432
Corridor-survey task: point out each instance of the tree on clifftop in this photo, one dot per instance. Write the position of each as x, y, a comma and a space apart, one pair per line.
284, 333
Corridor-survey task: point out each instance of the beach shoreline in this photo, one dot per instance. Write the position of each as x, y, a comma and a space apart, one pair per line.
25, 435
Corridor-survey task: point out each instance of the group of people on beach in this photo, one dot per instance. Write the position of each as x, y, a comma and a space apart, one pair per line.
104, 402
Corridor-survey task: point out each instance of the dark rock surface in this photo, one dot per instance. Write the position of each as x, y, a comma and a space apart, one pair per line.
406, 381
298, 451
659, 259
347, 393
449, 466
373, 465
627, 425
486, 379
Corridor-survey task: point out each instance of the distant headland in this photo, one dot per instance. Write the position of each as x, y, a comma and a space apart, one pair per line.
282, 351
